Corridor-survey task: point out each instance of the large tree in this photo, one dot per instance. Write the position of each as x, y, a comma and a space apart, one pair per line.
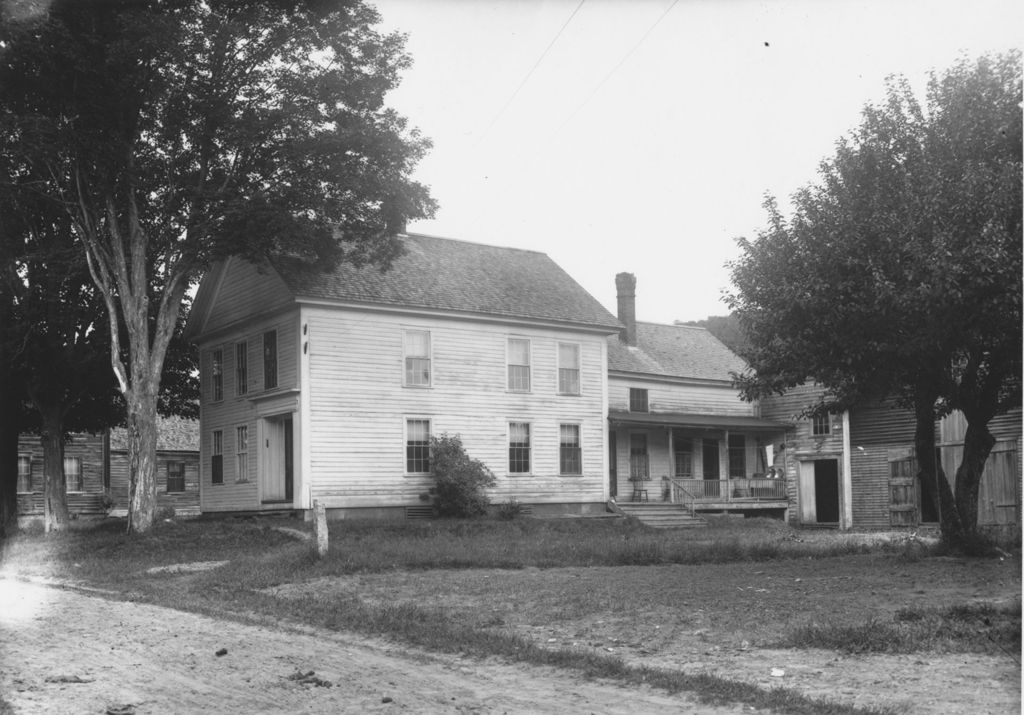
176, 134
898, 274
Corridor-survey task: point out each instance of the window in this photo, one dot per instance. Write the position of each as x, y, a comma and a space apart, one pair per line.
218, 375
416, 347
24, 472
269, 359
639, 468
518, 365
637, 399
73, 474
217, 460
570, 452
568, 369
241, 368
820, 424
737, 456
683, 448
417, 446
175, 476
519, 448
242, 454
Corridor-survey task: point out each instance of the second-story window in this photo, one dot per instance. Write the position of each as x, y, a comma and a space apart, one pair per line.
241, 368
218, 375
518, 365
269, 359
416, 347
820, 425
637, 399
568, 369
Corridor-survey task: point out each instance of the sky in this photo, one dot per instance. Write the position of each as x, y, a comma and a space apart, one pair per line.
644, 135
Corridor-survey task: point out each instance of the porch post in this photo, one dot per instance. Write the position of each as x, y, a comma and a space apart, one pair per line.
671, 453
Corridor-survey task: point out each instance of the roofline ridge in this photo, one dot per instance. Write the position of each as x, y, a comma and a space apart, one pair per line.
673, 325
417, 234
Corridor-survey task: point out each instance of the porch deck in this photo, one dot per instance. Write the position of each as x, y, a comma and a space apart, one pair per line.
736, 495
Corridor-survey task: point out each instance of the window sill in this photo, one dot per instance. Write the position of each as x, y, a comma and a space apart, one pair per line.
419, 387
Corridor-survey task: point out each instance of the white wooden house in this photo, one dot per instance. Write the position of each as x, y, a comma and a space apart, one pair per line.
678, 429
327, 386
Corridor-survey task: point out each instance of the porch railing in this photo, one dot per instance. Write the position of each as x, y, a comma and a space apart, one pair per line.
732, 490
679, 494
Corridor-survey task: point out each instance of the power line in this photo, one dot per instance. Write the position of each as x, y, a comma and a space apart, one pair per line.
529, 74
616, 67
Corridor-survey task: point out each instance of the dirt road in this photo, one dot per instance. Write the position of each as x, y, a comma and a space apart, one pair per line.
62, 651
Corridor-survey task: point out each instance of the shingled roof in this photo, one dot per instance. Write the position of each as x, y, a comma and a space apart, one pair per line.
674, 351
173, 434
450, 275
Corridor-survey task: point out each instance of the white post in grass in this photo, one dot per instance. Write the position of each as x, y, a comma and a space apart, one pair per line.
320, 527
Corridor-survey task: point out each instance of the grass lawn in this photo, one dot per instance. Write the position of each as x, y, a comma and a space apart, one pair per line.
603, 598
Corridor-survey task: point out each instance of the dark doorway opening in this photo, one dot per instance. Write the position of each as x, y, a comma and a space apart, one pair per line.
826, 490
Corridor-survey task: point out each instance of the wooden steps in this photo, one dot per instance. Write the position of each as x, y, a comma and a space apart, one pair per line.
661, 515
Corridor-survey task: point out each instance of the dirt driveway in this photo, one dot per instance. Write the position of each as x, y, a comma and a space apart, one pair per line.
62, 651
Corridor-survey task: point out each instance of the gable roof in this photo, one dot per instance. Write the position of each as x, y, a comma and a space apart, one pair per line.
449, 275
684, 351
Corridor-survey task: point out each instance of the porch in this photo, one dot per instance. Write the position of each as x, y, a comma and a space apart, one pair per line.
705, 463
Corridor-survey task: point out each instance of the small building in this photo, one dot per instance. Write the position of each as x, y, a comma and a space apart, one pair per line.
678, 430
85, 468
96, 466
857, 468
328, 386
177, 467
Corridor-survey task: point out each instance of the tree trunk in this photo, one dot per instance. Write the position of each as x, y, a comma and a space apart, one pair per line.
8, 468
55, 494
142, 434
10, 425
978, 443
934, 484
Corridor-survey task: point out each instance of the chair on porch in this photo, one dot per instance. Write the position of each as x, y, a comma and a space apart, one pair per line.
639, 493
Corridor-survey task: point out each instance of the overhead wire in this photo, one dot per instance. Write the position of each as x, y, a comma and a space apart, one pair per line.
616, 67
529, 74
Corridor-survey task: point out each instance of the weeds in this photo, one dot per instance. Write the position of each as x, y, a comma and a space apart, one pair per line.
964, 628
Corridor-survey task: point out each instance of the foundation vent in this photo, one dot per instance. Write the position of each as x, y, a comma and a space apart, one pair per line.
419, 512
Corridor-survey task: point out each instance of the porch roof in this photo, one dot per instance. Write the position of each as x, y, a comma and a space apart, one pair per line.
695, 421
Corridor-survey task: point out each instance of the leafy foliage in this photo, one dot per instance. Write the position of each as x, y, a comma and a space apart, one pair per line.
899, 273
461, 480
174, 135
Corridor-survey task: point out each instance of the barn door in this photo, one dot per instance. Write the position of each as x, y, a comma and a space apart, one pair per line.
903, 492
997, 492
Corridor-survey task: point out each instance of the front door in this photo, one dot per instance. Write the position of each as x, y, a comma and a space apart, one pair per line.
277, 476
711, 467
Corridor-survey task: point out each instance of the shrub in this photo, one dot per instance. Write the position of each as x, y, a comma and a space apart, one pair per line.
461, 480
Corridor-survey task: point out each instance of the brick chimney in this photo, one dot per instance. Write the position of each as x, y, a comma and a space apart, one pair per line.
625, 284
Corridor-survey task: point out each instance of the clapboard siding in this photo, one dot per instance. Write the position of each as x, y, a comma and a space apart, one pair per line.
235, 410
882, 424
187, 500
665, 396
245, 291
89, 448
359, 407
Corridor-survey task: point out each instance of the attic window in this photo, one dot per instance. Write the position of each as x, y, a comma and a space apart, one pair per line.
637, 399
